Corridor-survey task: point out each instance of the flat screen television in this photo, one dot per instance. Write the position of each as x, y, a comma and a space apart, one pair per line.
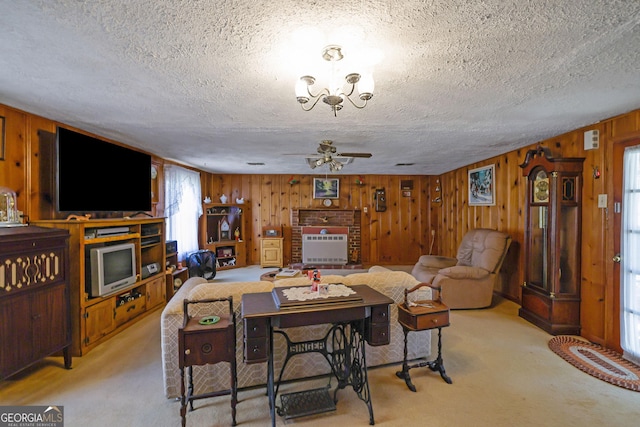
96, 176
112, 268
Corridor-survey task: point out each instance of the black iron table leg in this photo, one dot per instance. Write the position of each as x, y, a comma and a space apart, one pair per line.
438, 364
404, 373
270, 384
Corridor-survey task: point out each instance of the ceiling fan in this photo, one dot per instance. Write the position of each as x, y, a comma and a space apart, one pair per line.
327, 154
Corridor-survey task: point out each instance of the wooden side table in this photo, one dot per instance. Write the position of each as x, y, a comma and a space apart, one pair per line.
271, 252
207, 340
421, 316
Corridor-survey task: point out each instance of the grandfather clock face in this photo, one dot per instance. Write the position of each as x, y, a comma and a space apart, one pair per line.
541, 187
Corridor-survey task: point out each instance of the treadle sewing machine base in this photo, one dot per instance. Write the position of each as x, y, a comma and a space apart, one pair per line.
305, 403
347, 362
353, 323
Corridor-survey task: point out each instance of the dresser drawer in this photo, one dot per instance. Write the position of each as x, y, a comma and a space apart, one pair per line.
202, 347
272, 243
378, 334
255, 328
255, 350
129, 310
424, 318
380, 313
377, 329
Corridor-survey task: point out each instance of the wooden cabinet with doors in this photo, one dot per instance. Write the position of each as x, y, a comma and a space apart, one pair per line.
272, 247
35, 319
95, 319
271, 252
551, 291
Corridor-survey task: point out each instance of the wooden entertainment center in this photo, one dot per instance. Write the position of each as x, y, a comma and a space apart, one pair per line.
96, 319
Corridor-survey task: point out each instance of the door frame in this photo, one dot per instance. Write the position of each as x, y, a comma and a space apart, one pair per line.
612, 305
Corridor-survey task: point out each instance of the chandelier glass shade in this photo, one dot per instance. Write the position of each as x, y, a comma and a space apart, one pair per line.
338, 90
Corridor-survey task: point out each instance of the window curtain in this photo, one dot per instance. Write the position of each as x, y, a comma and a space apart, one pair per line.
630, 264
182, 207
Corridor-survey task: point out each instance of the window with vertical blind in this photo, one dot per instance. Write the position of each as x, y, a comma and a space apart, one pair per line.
630, 264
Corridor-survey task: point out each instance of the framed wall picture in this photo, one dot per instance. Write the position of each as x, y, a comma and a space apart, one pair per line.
326, 188
1, 138
482, 185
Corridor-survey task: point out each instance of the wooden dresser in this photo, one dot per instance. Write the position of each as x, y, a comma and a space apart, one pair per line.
35, 317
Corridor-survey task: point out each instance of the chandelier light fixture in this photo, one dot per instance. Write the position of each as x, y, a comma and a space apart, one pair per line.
334, 95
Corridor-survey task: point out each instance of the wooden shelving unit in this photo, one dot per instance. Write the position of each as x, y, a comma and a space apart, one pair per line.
96, 319
176, 275
222, 232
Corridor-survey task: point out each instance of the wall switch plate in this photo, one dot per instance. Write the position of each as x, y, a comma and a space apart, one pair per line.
602, 200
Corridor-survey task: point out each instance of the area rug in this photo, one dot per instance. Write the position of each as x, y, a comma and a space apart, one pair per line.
597, 361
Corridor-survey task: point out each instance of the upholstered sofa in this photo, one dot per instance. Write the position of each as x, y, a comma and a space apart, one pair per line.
216, 377
468, 280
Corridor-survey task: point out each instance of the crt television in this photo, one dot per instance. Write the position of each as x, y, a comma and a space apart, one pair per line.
112, 268
96, 176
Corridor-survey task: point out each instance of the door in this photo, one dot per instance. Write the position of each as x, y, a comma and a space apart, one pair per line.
626, 233
99, 321
156, 290
16, 350
49, 320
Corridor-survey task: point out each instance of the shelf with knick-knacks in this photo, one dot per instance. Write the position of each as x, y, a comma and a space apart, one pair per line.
222, 232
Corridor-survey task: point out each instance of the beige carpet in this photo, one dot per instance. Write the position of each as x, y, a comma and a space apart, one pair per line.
502, 370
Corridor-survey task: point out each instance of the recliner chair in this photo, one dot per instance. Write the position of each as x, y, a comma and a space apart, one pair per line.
467, 281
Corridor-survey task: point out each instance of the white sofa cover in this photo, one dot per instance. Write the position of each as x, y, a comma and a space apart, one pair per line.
216, 377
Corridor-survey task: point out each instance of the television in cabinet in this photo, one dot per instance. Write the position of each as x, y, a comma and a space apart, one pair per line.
112, 268
95, 319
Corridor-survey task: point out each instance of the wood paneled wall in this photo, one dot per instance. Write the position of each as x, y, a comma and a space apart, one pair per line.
403, 232
397, 236
507, 215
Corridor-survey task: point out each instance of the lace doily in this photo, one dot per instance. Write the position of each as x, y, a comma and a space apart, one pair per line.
304, 293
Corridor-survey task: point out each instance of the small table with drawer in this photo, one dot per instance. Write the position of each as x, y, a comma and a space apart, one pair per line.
421, 316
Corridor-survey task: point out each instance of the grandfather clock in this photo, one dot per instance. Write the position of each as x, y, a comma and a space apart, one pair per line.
551, 290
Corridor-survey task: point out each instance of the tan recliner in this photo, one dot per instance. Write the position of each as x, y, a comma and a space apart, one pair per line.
468, 280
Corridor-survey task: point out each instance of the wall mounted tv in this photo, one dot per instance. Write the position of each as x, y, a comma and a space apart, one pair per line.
96, 176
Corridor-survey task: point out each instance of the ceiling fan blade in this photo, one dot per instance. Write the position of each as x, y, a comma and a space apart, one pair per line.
362, 155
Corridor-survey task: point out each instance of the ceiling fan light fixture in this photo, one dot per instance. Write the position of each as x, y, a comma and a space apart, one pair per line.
326, 151
335, 95
335, 165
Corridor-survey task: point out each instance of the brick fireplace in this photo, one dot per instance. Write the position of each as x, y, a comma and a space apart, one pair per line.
325, 218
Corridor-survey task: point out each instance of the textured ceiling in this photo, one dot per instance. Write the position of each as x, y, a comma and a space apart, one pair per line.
211, 83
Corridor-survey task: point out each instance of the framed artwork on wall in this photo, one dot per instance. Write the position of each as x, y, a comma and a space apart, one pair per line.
326, 188
482, 184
